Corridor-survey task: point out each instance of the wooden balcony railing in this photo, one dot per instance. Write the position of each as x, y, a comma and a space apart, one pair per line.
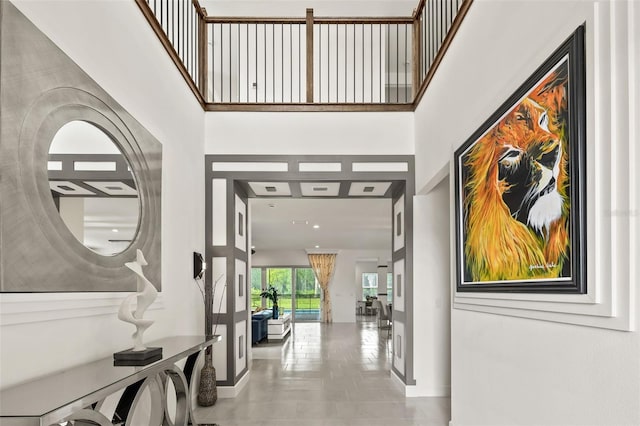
310, 63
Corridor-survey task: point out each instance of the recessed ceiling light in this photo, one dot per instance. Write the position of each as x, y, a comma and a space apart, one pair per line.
317, 246
300, 222
114, 230
253, 247
316, 226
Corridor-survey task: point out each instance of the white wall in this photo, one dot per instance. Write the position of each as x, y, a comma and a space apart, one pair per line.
508, 370
113, 43
310, 133
431, 293
345, 286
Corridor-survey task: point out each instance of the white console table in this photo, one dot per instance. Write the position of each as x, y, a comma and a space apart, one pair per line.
279, 328
76, 394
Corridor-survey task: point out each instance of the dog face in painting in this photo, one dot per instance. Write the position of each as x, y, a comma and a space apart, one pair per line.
515, 183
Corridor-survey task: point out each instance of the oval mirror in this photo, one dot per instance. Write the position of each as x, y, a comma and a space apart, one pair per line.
93, 188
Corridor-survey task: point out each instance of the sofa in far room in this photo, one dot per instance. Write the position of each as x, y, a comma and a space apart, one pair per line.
260, 325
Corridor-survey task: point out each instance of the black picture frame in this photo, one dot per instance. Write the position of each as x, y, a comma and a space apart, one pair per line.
199, 266
519, 186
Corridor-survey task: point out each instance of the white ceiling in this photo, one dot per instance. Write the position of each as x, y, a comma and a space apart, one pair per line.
109, 223
344, 223
297, 8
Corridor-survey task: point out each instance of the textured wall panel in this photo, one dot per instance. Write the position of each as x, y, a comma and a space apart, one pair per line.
41, 89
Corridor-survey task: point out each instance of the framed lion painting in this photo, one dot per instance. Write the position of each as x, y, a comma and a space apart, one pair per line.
519, 186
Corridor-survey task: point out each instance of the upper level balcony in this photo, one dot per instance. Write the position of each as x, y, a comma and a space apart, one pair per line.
306, 63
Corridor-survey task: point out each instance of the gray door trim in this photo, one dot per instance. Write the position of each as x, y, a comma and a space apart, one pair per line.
403, 181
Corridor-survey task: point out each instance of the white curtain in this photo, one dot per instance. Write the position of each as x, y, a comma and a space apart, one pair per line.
323, 266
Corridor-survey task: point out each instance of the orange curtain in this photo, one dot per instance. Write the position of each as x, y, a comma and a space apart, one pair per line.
323, 265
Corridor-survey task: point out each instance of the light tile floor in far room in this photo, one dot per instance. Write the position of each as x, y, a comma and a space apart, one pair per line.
335, 374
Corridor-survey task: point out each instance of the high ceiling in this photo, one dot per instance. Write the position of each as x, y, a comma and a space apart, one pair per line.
296, 8
343, 223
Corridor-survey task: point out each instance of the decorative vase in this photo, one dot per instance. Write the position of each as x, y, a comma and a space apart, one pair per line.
208, 392
275, 311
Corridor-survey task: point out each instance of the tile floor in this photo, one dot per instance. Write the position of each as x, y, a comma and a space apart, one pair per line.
335, 374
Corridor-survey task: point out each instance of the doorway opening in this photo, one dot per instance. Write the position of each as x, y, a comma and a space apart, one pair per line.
284, 231
236, 187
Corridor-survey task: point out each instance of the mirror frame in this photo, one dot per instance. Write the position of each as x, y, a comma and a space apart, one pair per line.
42, 89
77, 267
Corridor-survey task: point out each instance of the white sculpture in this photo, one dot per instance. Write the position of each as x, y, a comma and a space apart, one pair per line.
145, 296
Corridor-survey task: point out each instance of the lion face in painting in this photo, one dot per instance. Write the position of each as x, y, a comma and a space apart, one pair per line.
515, 202
528, 166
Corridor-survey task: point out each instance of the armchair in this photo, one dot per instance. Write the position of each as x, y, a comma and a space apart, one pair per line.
384, 319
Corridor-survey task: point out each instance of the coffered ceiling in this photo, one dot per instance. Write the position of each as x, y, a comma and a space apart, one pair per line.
321, 189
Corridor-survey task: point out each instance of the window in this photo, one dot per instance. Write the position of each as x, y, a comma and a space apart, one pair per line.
256, 287
281, 279
369, 284
307, 295
298, 290
389, 287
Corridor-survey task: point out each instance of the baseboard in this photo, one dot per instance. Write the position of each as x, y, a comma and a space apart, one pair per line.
413, 391
233, 391
398, 383
436, 391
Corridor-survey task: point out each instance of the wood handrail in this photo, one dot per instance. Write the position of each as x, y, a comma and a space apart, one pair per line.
200, 89
316, 20
308, 107
418, 10
358, 21
455, 25
199, 9
250, 20
157, 28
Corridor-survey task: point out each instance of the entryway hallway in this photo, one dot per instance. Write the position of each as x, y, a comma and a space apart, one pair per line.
326, 374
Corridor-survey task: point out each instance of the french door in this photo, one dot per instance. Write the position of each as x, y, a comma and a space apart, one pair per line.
298, 290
